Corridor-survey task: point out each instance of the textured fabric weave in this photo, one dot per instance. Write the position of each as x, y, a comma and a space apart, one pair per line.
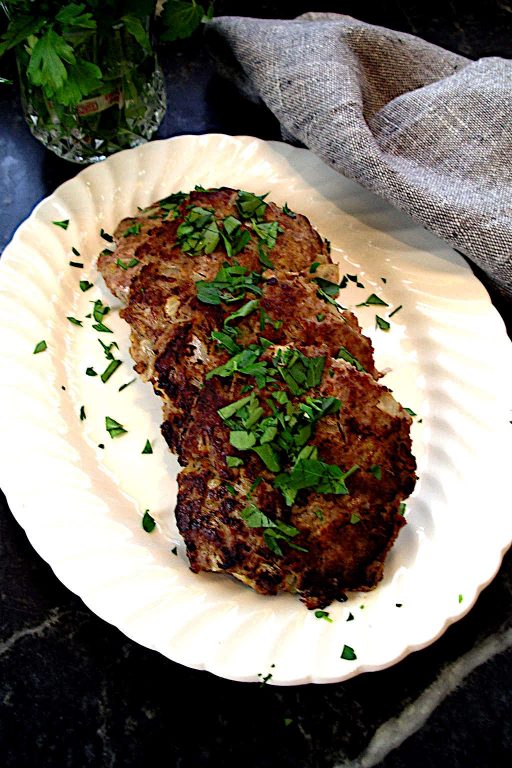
428, 130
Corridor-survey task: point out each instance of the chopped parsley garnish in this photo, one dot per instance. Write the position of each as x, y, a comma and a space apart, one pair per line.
251, 206
134, 229
288, 212
410, 412
354, 519
320, 317
281, 438
314, 266
110, 369
274, 530
123, 386
174, 551
381, 323
376, 471
82, 413
198, 233
90, 372
348, 653
314, 474
323, 615
461, 598
373, 300
350, 617
128, 264
62, 224
147, 448
245, 362
401, 509
107, 349
226, 341
298, 371
246, 309
327, 286
74, 321
40, 347
234, 461
350, 278
99, 312
148, 522
344, 354
75, 251
85, 285
395, 310
288, 721
77, 264
265, 319
106, 236
171, 202
267, 231
101, 328
230, 284
264, 257
113, 427
234, 237
265, 678
241, 439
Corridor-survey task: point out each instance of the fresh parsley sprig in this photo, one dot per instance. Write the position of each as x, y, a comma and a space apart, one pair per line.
51, 34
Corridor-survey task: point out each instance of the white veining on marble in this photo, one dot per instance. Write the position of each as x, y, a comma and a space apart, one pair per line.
108, 756
395, 731
39, 629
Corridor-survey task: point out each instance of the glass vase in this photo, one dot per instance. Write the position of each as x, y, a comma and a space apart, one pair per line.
123, 112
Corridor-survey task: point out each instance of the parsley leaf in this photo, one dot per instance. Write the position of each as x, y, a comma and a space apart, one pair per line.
181, 18
344, 354
113, 427
62, 224
40, 347
198, 233
133, 229
251, 206
48, 59
127, 265
312, 473
373, 299
381, 323
323, 615
348, 653
230, 284
110, 369
148, 522
274, 530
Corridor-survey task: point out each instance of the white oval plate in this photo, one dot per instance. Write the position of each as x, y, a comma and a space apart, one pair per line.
81, 505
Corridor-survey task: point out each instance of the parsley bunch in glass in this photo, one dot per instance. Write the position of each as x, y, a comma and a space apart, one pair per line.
88, 72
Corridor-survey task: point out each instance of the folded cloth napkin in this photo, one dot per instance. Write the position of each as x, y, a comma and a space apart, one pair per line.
426, 129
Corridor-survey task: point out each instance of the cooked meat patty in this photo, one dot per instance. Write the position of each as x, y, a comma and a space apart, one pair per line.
295, 459
343, 539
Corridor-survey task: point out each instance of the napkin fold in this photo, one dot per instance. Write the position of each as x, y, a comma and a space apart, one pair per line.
428, 130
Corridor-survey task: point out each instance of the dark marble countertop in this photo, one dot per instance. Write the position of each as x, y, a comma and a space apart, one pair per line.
76, 692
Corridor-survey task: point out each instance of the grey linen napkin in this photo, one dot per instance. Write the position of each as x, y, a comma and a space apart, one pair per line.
428, 130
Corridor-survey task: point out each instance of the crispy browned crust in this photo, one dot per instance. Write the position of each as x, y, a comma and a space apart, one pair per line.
346, 537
